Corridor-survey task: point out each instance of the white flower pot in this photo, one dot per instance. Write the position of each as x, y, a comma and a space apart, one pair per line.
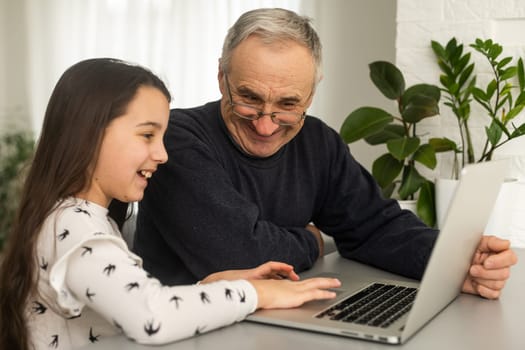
507, 219
409, 204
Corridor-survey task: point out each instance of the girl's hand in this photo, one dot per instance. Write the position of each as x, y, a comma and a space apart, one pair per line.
279, 294
269, 270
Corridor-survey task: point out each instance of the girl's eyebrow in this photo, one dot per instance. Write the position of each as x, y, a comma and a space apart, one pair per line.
154, 124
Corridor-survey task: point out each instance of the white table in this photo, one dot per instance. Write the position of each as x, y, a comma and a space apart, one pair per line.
470, 322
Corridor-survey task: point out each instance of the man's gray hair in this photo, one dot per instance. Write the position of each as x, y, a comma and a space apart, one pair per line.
273, 24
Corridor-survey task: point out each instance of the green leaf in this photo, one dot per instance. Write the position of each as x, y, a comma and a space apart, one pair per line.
410, 183
387, 78
445, 69
386, 169
479, 94
519, 131
363, 122
513, 112
439, 50
464, 111
426, 209
452, 45
426, 155
494, 133
506, 90
508, 73
443, 144
450, 85
455, 52
465, 75
504, 62
462, 62
504, 98
427, 90
390, 131
388, 190
402, 147
491, 88
420, 107
521, 98
521, 74
495, 50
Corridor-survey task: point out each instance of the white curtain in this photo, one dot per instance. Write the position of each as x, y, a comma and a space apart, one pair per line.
180, 40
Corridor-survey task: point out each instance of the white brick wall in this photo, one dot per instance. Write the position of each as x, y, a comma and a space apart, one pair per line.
419, 22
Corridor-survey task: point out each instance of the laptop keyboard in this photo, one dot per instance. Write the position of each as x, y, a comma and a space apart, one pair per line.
377, 305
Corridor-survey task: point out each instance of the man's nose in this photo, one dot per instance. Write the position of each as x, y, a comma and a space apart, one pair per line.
264, 125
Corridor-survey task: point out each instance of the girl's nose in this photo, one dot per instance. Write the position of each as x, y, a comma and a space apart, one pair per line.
159, 154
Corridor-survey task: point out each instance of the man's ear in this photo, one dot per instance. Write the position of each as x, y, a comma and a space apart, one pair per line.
220, 78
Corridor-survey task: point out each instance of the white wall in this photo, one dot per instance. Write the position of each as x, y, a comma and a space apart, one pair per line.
354, 33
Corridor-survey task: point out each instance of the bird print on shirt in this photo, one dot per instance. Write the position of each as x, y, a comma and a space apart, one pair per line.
109, 269
132, 285
75, 316
92, 338
86, 250
43, 263
199, 330
176, 299
89, 295
54, 341
228, 293
63, 235
242, 296
204, 298
80, 210
150, 329
38, 308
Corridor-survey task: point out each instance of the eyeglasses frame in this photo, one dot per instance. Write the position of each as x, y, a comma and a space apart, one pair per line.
258, 113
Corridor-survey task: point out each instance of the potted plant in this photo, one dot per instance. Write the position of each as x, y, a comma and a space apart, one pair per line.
15, 150
396, 171
501, 100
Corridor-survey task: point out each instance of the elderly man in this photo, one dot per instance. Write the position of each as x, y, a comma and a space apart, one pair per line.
252, 177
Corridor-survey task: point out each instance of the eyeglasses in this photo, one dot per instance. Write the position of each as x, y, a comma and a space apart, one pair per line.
248, 112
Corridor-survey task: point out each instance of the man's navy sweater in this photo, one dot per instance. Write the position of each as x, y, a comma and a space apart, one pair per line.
212, 207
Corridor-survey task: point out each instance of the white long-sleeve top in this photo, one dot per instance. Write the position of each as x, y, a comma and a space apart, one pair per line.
90, 286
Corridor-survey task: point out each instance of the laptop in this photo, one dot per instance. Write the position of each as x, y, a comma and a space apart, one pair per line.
379, 306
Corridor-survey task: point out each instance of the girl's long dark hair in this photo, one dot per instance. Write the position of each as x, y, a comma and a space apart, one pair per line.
88, 96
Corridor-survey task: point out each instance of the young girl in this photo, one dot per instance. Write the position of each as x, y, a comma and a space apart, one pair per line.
67, 276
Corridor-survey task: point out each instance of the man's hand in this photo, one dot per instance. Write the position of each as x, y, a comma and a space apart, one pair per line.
490, 267
317, 233
269, 270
